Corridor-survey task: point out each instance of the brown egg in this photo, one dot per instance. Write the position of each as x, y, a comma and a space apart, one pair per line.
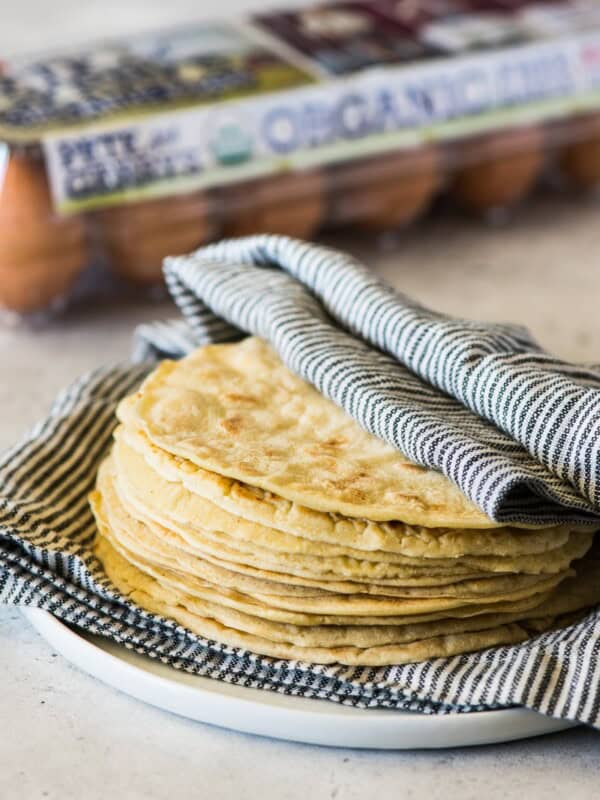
41, 254
498, 169
38, 284
292, 204
580, 159
385, 192
138, 236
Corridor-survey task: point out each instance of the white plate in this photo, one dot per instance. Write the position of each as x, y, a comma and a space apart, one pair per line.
270, 714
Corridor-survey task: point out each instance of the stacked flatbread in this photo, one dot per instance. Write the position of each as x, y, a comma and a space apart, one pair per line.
240, 502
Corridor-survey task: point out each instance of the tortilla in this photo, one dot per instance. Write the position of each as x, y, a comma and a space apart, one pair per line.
237, 410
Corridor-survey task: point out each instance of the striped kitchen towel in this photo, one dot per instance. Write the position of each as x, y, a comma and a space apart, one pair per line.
516, 429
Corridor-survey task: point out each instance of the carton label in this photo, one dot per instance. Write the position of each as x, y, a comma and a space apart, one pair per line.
360, 114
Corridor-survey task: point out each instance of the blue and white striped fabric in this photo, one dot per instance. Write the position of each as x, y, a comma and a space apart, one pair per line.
481, 403
516, 429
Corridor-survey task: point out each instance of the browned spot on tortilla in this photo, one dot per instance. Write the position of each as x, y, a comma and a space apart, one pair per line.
335, 441
243, 399
414, 501
328, 446
348, 486
248, 467
232, 425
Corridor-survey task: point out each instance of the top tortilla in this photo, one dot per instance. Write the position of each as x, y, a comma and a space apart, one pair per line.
237, 410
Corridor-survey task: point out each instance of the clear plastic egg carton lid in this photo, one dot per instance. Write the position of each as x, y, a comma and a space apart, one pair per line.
342, 116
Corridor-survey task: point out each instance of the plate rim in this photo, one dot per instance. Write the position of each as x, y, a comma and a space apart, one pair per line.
273, 710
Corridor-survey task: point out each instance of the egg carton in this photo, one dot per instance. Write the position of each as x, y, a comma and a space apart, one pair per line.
349, 115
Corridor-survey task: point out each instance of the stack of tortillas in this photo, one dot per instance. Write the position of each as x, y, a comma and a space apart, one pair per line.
240, 502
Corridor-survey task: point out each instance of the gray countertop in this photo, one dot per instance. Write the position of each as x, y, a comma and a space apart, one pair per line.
65, 735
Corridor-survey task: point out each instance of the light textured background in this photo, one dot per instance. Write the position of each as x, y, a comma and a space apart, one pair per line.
65, 736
